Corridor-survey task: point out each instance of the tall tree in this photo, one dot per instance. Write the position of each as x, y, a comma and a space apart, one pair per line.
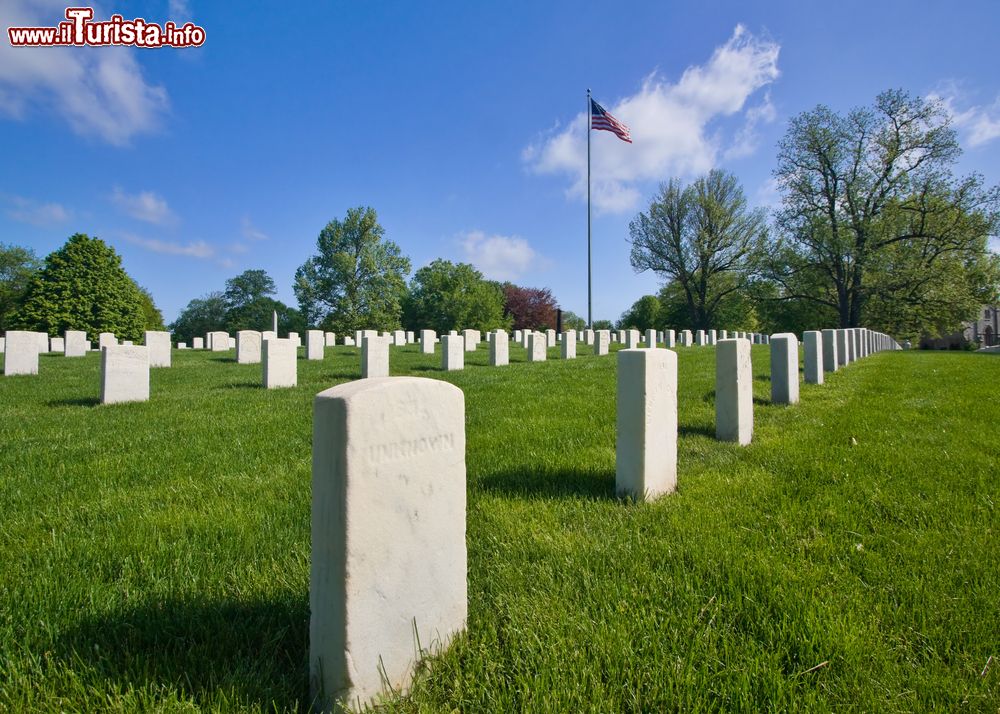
530, 308
703, 238
152, 317
447, 296
248, 302
356, 280
871, 212
17, 266
83, 287
200, 316
643, 315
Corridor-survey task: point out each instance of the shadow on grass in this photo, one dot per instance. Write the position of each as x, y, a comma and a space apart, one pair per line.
536, 483
231, 360
248, 384
696, 430
205, 650
75, 402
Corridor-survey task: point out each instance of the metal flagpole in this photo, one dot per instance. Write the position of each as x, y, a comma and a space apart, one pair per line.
590, 317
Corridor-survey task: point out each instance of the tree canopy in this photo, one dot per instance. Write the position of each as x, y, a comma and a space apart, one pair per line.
17, 267
447, 296
703, 238
83, 286
356, 280
530, 308
873, 224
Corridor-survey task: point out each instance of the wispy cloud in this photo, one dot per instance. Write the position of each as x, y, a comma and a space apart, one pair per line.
179, 11
669, 124
98, 91
500, 257
143, 206
251, 232
197, 249
36, 213
978, 124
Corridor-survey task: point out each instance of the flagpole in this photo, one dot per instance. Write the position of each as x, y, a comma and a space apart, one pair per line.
590, 317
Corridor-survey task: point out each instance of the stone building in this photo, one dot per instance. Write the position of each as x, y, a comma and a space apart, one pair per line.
984, 331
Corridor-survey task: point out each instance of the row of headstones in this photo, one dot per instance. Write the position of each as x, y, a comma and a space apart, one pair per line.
124, 367
373, 595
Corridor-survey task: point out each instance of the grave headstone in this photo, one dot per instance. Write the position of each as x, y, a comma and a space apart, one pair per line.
550, 338
452, 352
106, 339
699, 338
315, 344
568, 346
330, 339
399, 338
20, 353
375, 357
348, 341
279, 363
830, 360
843, 351
733, 391
784, 368
219, 341
158, 342
389, 561
198, 343
124, 374
427, 340
76, 344
57, 344
537, 347
631, 339
499, 349
670, 339
296, 340
602, 340
812, 342
646, 426
249, 345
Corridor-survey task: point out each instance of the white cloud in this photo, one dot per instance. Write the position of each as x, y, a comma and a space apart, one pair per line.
768, 194
39, 214
251, 232
144, 206
500, 257
746, 141
669, 123
179, 11
978, 124
198, 249
98, 91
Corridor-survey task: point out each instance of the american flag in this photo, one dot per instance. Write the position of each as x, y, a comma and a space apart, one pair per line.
601, 119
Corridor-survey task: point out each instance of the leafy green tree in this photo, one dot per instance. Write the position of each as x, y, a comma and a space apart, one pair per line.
572, 321
643, 315
17, 266
603, 325
735, 311
356, 280
152, 317
248, 302
202, 315
447, 296
83, 287
872, 217
703, 238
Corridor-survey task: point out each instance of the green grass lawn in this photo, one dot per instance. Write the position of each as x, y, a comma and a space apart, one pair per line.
155, 556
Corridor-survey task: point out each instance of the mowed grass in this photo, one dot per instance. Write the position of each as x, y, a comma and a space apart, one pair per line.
155, 556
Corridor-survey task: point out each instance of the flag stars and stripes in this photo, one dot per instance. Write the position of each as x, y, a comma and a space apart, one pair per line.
601, 119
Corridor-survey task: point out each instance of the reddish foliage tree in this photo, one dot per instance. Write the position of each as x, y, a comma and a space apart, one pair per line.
531, 308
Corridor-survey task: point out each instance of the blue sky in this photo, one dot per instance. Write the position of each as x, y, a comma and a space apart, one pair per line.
460, 123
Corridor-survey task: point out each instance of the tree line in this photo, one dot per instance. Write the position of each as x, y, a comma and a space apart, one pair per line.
873, 229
